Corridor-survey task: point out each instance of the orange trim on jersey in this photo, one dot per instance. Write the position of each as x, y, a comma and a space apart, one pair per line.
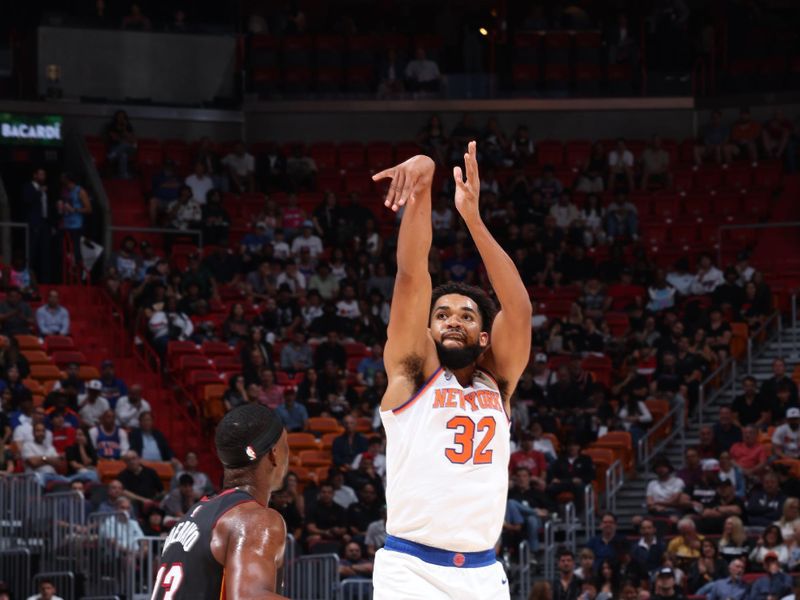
497, 385
421, 391
222, 594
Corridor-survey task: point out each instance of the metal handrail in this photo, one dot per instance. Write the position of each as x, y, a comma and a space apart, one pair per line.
649, 448
615, 479
702, 396
755, 353
794, 324
589, 512
524, 569
569, 526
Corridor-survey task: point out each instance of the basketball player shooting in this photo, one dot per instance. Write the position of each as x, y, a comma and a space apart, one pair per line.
453, 362
230, 546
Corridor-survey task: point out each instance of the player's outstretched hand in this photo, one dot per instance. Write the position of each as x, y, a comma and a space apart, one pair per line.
467, 193
408, 178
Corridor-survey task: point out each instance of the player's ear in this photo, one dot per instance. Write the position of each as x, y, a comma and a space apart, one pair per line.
483, 339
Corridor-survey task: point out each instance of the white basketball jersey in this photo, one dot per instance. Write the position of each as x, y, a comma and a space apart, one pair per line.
447, 451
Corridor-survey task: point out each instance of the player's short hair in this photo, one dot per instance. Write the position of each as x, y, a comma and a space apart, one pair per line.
246, 434
185, 479
486, 306
564, 551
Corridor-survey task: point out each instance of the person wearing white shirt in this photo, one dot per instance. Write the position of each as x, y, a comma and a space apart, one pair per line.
347, 307
131, 406
680, 278
200, 183
92, 406
564, 211
664, 493
620, 165
41, 457
543, 444
708, 277
786, 437
185, 212
241, 167
422, 73
23, 432
307, 240
52, 318
120, 529
47, 591
291, 277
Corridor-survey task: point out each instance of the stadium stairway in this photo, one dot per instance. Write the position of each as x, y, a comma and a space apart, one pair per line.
171, 418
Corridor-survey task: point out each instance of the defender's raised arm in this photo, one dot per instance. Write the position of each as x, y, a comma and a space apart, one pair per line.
511, 332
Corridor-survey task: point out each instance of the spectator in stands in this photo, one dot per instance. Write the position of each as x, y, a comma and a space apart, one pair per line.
730, 588
63, 432
16, 316
52, 318
745, 134
121, 142
730, 472
790, 519
301, 173
135, 20
734, 542
179, 500
585, 570
729, 295
622, 218
296, 355
114, 490
366, 510
532, 460
370, 365
726, 432
664, 494
23, 420
236, 394
707, 446
241, 169
150, 443
707, 278
41, 457
633, 412
113, 387
749, 455
169, 324
307, 239
236, 327
216, 221
348, 445
769, 389
120, 533
565, 212
130, 407
775, 135
608, 544
271, 392
142, 484
765, 504
93, 405
665, 587
422, 74
74, 206
776, 584
715, 142
655, 166
330, 350
375, 452
81, 457
353, 565
685, 547
280, 501
40, 228
127, 262
185, 212
527, 506
110, 440
200, 183
201, 482
375, 538
620, 167
47, 591
567, 585
571, 472
548, 185
324, 282
786, 437
165, 188
746, 408
714, 509
770, 543
293, 414
326, 521
646, 552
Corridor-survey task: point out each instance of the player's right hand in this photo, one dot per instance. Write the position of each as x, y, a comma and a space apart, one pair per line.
408, 177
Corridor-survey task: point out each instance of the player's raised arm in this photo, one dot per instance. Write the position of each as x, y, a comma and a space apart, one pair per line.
256, 538
510, 341
408, 339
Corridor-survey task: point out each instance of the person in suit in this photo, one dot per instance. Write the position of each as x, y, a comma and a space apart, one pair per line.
571, 472
37, 215
149, 443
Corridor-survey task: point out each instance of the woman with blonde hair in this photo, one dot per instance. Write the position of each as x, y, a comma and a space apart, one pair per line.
542, 590
790, 518
733, 543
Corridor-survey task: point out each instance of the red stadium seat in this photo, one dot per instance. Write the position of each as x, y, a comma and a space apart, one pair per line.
738, 177
65, 357
665, 206
576, 153
683, 234
351, 155
699, 206
58, 342
708, 178
550, 152
525, 77
380, 156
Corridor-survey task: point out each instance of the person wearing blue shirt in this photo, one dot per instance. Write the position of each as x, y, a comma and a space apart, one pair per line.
293, 414
52, 318
369, 365
113, 387
730, 588
74, 207
776, 584
608, 544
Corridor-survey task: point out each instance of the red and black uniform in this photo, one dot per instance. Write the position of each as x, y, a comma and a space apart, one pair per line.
188, 568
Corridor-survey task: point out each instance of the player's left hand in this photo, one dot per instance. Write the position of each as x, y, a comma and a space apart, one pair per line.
467, 193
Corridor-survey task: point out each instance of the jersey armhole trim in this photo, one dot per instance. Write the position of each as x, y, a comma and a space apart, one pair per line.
418, 393
497, 385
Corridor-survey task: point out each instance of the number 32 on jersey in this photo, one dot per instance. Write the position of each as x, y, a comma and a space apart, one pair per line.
466, 432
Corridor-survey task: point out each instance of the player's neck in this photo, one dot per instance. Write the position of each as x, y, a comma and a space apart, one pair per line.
464, 376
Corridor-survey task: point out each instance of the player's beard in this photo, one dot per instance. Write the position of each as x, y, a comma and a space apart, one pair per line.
459, 357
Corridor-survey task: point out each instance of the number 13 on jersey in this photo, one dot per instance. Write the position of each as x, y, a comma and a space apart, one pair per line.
464, 437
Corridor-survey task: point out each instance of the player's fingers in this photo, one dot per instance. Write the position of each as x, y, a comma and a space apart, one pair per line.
408, 189
471, 162
394, 189
400, 181
457, 175
383, 174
